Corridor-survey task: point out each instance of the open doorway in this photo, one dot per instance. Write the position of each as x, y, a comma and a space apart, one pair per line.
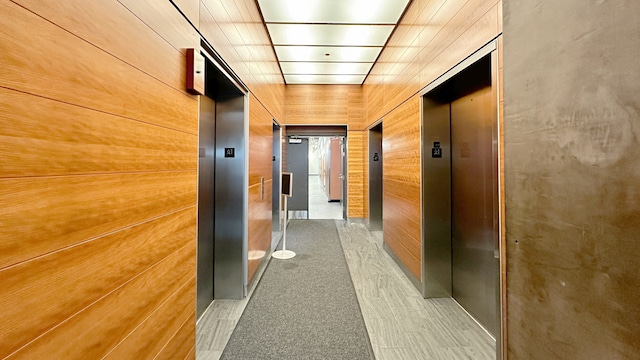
316, 157
325, 178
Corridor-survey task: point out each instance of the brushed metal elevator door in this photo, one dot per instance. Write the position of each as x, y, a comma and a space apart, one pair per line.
205, 204
472, 193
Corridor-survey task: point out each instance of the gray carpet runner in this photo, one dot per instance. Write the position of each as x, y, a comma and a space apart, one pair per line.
305, 307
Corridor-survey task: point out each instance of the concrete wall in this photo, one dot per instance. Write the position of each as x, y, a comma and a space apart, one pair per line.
571, 85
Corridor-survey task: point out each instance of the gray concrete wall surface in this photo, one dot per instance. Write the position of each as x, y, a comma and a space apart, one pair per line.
572, 175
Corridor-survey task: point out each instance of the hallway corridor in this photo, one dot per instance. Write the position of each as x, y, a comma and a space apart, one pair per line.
400, 323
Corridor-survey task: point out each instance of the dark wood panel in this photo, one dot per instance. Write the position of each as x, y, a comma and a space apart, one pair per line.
84, 75
55, 212
40, 294
45, 137
101, 326
155, 334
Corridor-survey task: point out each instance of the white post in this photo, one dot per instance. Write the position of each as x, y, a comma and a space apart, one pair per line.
284, 253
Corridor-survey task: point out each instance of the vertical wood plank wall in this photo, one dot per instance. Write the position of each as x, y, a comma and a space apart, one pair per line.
97, 182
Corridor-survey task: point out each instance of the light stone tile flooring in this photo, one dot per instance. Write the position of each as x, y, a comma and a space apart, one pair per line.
319, 205
401, 324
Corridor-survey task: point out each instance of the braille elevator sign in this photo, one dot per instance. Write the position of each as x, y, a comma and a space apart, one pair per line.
229, 152
436, 151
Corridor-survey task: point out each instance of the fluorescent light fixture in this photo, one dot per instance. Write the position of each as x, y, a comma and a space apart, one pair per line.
324, 68
333, 11
324, 79
336, 53
332, 35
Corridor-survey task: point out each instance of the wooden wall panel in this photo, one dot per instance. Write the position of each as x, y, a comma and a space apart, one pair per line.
235, 30
190, 9
54, 287
260, 174
432, 37
324, 105
355, 173
93, 328
51, 213
170, 25
42, 137
98, 178
181, 344
154, 56
176, 314
84, 75
401, 183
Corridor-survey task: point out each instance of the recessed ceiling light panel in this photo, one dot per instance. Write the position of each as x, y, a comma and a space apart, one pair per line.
324, 79
333, 11
331, 35
325, 68
336, 53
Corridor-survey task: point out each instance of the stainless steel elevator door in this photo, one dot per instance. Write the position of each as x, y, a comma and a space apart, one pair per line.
375, 178
472, 193
205, 204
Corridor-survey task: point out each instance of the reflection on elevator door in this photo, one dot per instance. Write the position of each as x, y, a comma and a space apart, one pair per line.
206, 193
473, 271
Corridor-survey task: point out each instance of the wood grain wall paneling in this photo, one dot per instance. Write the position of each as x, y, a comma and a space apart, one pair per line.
323, 105
177, 318
85, 76
355, 173
98, 188
190, 9
260, 174
42, 137
54, 287
162, 17
401, 167
154, 56
93, 329
181, 344
235, 30
432, 37
50, 213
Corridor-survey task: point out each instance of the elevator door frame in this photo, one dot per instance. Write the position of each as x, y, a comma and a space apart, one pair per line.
427, 289
230, 218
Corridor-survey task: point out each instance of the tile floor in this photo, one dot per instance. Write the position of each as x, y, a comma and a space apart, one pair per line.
319, 205
401, 324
